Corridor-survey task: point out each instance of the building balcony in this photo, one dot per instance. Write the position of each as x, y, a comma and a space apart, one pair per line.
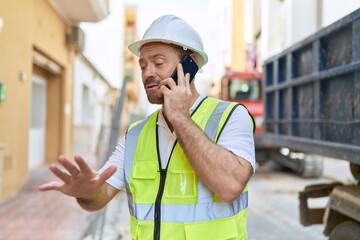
74, 12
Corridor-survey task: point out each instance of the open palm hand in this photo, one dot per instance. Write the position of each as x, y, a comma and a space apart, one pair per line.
80, 180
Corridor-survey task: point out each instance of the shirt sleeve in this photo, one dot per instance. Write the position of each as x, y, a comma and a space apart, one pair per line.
238, 137
116, 159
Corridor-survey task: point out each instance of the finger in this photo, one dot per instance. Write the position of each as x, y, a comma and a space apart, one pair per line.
105, 175
70, 166
187, 80
60, 173
50, 186
168, 82
83, 165
163, 90
180, 73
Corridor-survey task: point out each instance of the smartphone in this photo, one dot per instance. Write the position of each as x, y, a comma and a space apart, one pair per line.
189, 66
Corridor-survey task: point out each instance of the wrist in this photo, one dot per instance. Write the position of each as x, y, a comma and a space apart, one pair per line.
91, 197
88, 200
91, 203
179, 121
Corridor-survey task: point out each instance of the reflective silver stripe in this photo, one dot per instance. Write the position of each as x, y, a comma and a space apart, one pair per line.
212, 124
193, 212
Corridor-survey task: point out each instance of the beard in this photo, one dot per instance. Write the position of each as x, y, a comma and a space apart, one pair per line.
153, 94
155, 99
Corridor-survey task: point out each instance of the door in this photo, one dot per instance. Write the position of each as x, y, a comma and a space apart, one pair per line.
37, 122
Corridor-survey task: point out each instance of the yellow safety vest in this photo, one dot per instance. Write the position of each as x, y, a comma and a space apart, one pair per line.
173, 203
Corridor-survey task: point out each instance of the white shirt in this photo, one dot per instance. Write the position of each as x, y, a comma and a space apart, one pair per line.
237, 137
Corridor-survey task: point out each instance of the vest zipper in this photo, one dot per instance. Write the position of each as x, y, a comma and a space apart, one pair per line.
157, 212
157, 215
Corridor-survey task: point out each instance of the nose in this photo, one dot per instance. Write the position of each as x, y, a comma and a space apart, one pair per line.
148, 72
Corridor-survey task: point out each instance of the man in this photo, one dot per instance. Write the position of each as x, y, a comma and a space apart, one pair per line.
186, 166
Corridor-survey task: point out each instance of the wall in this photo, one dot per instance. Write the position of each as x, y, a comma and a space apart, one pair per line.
92, 115
333, 11
220, 32
31, 26
238, 53
300, 20
286, 22
14, 111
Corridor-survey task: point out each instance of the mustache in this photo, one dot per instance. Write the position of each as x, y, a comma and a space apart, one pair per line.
152, 81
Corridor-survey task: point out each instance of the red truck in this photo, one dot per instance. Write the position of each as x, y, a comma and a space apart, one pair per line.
245, 87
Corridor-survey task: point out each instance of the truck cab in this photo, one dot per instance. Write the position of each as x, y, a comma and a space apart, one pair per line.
244, 87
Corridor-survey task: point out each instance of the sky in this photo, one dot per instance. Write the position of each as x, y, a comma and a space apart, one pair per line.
103, 43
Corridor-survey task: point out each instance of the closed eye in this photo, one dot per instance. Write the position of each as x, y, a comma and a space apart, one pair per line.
158, 65
142, 66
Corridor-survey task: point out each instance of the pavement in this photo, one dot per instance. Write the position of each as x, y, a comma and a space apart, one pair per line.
34, 215
273, 212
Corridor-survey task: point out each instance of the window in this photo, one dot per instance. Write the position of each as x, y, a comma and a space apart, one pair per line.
244, 89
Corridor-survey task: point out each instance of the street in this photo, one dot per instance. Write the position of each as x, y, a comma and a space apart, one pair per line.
273, 205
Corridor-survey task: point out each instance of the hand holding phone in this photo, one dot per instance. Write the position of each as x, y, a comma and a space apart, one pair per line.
189, 66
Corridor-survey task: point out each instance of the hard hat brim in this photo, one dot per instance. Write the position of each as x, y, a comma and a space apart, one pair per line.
135, 48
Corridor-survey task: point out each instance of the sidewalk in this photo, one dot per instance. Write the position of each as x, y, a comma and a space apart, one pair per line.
35, 215
117, 224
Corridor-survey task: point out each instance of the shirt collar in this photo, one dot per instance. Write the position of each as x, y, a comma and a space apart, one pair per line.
161, 120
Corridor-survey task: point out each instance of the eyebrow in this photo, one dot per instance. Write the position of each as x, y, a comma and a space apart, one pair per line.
153, 57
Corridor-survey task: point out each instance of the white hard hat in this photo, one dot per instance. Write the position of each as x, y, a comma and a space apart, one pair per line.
173, 30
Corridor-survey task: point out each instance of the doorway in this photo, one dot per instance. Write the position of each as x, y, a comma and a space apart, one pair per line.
37, 134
